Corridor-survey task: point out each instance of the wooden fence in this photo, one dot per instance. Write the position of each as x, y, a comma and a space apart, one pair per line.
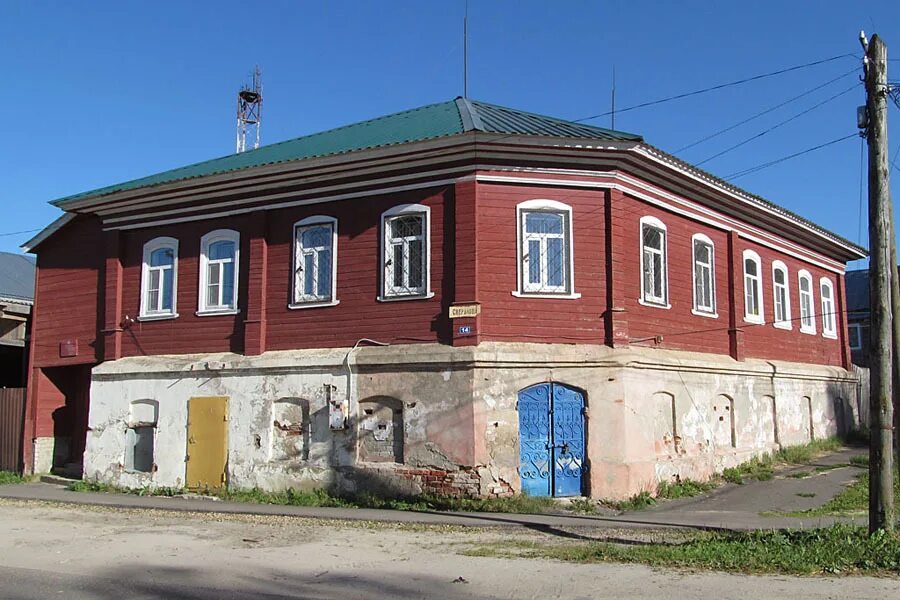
12, 428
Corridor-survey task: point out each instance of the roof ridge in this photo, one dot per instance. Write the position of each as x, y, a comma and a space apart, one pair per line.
550, 117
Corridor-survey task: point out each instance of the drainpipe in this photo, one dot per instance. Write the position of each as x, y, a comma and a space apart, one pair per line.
348, 397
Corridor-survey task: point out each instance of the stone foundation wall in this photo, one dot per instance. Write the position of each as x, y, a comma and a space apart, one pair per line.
443, 420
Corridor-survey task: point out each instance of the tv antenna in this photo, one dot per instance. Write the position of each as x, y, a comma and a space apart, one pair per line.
249, 111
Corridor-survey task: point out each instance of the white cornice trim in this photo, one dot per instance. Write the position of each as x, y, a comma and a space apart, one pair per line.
818, 260
737, 194
240, 211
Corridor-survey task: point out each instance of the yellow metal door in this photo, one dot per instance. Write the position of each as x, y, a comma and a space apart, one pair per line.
207, 442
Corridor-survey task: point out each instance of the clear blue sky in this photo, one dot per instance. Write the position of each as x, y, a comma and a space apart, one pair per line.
104, 92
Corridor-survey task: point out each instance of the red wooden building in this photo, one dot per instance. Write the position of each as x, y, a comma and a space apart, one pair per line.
460, 298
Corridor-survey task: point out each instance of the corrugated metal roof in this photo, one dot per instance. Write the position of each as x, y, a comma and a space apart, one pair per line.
499, 119
427, 122
16, 277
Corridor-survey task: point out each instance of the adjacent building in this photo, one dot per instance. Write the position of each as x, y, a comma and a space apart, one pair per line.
16, 300
457, 299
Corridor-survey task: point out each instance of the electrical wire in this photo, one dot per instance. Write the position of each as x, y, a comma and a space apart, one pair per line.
766, 111
777, 125
785, 158
717, 87
20, 232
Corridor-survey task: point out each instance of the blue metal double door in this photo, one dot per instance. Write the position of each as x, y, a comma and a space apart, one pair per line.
551, 440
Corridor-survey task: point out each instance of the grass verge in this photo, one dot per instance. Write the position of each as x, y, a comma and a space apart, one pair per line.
852, 500
10, 477
838, 549
319, 497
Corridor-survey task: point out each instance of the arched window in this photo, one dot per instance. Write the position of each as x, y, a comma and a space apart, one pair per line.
807, 318
406, 252
666, 440
704, 276
782, 295
159, 279
654, 263
219, 265
826, 295
545, 266
723, 422
753, 298
140, 435
381, 430
315, 262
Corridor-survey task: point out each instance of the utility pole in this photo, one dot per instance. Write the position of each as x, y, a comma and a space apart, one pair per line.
881, 471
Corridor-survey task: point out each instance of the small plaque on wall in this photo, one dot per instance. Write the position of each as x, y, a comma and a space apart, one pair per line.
68, 348
465, 310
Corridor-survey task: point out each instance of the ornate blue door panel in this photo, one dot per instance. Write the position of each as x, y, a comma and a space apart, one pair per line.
568, 440
534, 440
551, 440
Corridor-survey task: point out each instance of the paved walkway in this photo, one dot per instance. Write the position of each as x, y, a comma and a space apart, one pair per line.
734, 507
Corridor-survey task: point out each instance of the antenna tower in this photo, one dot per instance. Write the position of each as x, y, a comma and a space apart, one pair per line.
249, 111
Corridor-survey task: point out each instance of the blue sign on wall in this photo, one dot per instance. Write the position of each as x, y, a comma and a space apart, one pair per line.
465, 329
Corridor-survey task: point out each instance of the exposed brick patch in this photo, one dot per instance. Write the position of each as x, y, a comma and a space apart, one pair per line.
467, 482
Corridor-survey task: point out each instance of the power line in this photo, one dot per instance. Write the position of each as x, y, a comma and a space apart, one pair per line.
779, 124
20, 232
788, 157
766, 111
717, 87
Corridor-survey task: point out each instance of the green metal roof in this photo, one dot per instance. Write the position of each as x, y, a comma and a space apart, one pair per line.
427, 122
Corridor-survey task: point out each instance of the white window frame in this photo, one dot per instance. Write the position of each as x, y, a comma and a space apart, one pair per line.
750, 318
567, 291
298, 299
804, 328
663, 301
219, 235
698, 310
859, 329
828, 313
388, 294
146, 313
787, 323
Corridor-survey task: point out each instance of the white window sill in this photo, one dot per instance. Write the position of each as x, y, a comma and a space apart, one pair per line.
829, 335
406, 297
313, 304
807, 330
547, 295
217, 312
160, 317
708, 315
651, 304
754, 320
786, 325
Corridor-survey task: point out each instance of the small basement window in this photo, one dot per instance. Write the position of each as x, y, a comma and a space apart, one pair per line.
139, 443
140, 436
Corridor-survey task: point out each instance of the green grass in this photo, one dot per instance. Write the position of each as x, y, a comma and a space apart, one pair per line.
799, 455
636, 502
763, 468
852, 500
319, 497
686, 488
860, 460
10, 477
799, 475
838, 549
